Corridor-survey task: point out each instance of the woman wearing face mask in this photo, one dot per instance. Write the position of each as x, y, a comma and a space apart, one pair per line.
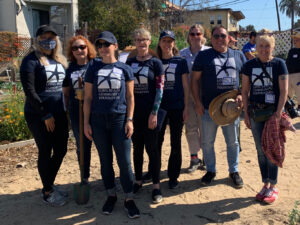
80, 51
108, 111
42, 73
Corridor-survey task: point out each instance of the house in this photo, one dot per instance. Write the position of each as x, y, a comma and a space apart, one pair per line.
25, 16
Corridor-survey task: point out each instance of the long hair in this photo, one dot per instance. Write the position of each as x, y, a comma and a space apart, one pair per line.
175, 50
91, 49
56, 53
197, 26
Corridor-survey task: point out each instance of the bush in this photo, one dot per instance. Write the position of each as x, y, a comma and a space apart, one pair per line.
10, 44
294, 215
180, 42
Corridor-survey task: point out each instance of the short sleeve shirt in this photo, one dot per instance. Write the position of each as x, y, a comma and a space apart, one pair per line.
264, 87
145, 73
248, 47
293, 60
220, 72
173, 97
109, 86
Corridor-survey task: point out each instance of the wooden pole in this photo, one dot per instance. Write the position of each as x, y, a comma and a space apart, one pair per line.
278, 18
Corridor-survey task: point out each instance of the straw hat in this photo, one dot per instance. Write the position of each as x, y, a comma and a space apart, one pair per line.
296, 34
223, 109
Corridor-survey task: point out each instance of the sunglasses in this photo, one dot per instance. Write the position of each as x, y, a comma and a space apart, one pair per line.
81, 47
217, 36
103, 44
195, 34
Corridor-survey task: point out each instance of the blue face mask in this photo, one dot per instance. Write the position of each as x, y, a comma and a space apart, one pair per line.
48, 44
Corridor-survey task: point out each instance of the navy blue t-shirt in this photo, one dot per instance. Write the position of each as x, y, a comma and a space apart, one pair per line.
173, 97
109, 85
263, 89
220, 72
42, 85
145, 73
73, 72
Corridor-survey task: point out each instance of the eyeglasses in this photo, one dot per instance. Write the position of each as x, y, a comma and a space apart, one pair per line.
81, 47
141, 40
195, 34
217, 36
103, 44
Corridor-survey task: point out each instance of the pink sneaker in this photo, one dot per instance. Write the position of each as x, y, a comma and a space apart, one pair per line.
261, 195
271, 195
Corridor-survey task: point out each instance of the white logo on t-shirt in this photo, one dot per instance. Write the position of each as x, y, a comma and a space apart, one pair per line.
109, 78
141, 74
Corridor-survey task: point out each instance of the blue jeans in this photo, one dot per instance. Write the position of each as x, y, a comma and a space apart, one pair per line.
87, 144
108, 130
268, 170
209, 132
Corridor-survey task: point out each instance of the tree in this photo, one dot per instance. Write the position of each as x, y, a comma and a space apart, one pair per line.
290, 8
297, 24
250, 28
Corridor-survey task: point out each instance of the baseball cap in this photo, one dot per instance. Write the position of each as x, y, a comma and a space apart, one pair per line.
45, 28
107, 36
167, 33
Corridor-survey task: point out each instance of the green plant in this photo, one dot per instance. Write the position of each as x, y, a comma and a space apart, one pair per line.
294, 215
10, 44
180, 42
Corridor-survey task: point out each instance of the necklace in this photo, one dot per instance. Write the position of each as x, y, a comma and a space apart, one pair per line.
143, 57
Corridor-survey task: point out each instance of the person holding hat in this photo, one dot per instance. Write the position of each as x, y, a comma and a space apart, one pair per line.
249, 48
218, 68
148, 91
108, 111
79, 51
266, 79
42, 73
293, 65
196, 41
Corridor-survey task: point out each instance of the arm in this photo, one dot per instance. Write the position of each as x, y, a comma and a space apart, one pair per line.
66, 91
185, 84
249, 55
283, 89
245, 94
130, 108
195, 77
88, 97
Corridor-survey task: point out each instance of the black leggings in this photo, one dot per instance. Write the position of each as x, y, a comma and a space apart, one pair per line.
49, 162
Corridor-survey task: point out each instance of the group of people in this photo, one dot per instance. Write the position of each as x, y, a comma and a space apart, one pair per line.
134, 102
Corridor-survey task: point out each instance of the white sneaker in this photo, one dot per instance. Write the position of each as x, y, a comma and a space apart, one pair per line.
54, 199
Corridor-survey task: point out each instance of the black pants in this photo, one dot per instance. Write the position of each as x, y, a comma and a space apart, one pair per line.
49, 161
144, 137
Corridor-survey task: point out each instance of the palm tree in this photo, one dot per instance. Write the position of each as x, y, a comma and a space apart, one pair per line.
290, 8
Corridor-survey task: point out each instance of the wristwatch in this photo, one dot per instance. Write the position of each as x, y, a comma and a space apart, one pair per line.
129, 119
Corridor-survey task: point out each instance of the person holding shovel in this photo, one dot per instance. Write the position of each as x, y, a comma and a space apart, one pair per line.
108, 112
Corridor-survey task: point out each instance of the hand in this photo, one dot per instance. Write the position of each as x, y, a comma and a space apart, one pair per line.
239, 101
152, 121
50, 124
199, 108
277, 115
79, 94
129, 129
247, 121
88, 131
185, 114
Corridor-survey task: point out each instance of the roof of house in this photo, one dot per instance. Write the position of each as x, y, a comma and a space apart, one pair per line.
237, 14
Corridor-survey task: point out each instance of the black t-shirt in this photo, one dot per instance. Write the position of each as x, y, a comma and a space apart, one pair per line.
264, 89
42, 85
293, 60
145, 73
175, 68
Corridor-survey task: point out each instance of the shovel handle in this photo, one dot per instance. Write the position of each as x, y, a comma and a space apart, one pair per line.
81, 145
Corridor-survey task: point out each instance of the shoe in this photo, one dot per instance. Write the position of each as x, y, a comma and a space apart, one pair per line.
54, 199
132, 210
60, 191
261, 195
237, 180
194, 165
173, 184
136, 188
208, 178
109, 205
156, 196
147, 177
271, 195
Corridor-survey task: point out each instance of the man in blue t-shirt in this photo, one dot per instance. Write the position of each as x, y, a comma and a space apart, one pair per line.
219, 69
249, 49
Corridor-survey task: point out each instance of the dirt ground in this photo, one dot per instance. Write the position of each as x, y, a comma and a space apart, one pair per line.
189, 204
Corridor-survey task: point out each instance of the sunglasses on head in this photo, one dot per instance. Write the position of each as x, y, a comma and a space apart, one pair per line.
217, 36
195, 34
103, 44
81, 47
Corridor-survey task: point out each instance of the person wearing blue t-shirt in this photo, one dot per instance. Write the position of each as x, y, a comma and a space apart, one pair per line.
249, 48
174, 101
266, 79
108, 111
80, 51
148, 91
219, 69
42, 73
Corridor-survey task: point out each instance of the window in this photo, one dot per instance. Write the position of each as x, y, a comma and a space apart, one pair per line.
219, 19
212, 20
39, 17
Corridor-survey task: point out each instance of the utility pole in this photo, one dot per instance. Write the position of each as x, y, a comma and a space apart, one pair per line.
278, 19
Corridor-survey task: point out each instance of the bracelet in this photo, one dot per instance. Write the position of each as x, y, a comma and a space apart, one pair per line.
129, 119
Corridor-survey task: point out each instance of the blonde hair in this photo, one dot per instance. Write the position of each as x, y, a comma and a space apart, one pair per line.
141, 32
197, 26
266, 36
56, 53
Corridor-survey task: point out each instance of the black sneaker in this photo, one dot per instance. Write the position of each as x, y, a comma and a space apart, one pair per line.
147, 177
173, 183
136, 187
156, 196
109, 205
208, 178
132, 210
237, 180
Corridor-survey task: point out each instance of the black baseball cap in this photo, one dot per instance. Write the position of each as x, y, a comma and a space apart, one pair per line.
167, 33
45, 28
107, 36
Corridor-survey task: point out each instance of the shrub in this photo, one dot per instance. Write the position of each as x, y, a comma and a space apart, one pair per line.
180, 42
10, 44
294, 215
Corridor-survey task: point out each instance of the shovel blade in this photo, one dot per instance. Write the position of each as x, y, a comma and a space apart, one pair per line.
81, 193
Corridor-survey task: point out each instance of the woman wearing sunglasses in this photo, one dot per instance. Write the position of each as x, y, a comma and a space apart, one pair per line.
79, 51
148, 89
196, 42
108, 111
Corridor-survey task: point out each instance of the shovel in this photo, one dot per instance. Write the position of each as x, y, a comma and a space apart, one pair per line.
82, 190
